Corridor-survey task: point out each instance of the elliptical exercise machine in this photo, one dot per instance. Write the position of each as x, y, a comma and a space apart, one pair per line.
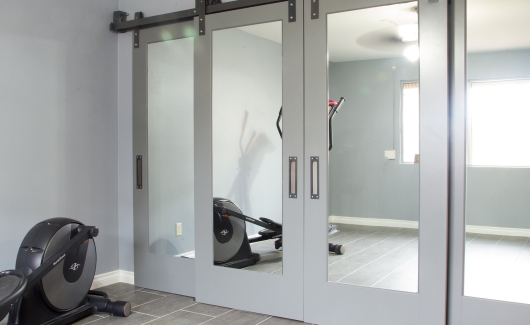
55, 267
231, 243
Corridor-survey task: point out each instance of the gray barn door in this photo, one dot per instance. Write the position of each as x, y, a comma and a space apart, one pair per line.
490, 226
384, 178
163, 133
248, 66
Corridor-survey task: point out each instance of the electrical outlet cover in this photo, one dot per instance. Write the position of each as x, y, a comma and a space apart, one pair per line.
390, 154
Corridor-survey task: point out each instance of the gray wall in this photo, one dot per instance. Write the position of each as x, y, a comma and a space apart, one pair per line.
363, 183
246, 98
498, 197
58, 120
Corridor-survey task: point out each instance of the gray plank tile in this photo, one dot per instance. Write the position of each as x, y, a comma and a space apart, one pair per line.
379, 249
206, 309
90, 319
281, 321
237, 317
181, 318
164, 306
156, 292
118, 289
397, 283
271, 258
137, 298
342, 268
362, 242
267, 266
133, 319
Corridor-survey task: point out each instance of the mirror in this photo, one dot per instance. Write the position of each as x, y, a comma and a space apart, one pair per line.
374, 139
170, 147
497, 252
247, 147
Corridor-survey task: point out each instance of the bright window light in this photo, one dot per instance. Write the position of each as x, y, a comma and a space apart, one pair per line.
410, 137
498, 118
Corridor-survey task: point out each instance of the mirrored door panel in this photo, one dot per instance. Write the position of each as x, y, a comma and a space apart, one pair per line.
373, 112
170, 147
164, 162
497, 248
379, 124
249, 141
247, 147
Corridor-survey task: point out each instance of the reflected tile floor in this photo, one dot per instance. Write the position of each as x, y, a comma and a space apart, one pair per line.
381, 257
496, 267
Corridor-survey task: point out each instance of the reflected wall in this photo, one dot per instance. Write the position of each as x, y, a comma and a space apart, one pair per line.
247, 148
374, 162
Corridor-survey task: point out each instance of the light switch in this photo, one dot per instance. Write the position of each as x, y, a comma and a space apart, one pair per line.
179, 229
390, 154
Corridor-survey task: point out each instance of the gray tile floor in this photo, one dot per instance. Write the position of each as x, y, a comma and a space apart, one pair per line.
496, 267
160, 308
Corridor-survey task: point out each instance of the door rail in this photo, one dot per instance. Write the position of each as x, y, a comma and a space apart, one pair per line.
120, 24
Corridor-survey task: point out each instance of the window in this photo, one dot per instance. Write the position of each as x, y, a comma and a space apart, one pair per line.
498, 118
410, 130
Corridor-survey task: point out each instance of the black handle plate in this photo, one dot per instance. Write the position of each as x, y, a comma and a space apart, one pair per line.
139, 172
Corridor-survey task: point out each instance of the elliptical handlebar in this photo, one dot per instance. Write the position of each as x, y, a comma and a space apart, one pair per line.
278, 122
334, 109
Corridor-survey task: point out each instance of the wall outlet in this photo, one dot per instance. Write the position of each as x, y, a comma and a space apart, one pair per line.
179, 229
390, 154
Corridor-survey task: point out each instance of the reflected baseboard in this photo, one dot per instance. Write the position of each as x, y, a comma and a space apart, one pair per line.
374, 222
109, 278
502, 231
486, 230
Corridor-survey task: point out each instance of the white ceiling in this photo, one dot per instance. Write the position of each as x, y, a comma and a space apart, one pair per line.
372, 33
494, 25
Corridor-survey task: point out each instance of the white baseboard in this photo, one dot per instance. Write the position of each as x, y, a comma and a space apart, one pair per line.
501, 231
109, 278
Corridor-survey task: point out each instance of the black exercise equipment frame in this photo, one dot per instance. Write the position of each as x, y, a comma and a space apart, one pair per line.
276, 229
95, 300
224, 212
